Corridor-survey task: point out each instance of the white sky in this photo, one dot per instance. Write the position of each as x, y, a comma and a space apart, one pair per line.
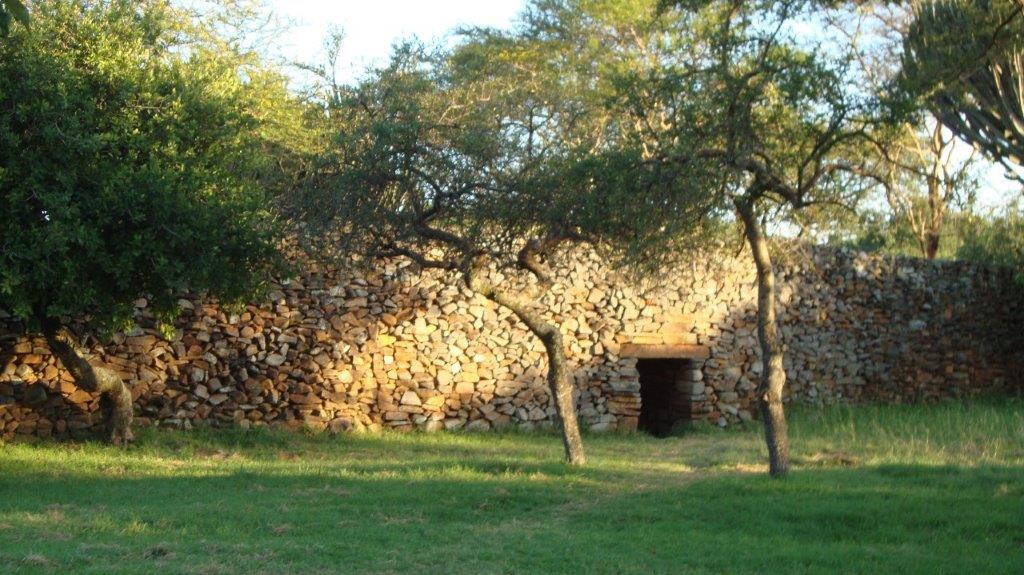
371, 27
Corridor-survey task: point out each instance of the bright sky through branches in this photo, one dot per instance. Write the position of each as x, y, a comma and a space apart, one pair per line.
372, 27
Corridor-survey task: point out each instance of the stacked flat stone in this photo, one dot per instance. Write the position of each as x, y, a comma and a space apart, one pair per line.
338, 350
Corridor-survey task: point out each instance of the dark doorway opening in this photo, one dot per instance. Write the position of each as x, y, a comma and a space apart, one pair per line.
665, 393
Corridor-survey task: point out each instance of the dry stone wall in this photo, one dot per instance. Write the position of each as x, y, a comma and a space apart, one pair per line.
337, 350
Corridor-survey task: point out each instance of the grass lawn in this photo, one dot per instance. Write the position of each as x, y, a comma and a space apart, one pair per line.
914, 489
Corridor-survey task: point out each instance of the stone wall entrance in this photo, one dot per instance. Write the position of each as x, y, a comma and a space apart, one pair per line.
666, 389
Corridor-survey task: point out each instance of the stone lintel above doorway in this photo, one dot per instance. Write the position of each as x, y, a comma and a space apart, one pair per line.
665, 350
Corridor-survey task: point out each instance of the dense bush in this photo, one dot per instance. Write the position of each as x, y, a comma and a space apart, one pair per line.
995, 238
998, 240
133, 147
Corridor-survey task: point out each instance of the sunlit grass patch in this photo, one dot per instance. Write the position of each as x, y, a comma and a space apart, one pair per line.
937, 488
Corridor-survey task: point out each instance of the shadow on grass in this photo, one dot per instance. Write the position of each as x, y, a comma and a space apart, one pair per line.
387, 504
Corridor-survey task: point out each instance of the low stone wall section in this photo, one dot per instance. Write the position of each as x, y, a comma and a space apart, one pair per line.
340, 350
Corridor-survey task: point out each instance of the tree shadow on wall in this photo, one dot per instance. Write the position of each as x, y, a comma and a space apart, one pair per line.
40, 404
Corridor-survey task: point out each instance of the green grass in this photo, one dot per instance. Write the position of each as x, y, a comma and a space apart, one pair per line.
913, 489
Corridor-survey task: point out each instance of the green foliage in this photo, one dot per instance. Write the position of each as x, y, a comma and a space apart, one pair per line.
287, 130
12, 10
406, 150
964, 59
132, 154
997, 240
731, 102
881, 231
873, 490
586, 155
436, 156
608, 121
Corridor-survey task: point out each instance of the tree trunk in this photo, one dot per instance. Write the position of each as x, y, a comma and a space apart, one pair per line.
94, 378
773, 375
559, 381
931, 244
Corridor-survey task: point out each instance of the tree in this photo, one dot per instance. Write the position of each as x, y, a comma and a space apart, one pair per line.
129, 166
780, 116
431, 161
916, 161
710, 106
586, 55
965, 60
922, 177
756, 119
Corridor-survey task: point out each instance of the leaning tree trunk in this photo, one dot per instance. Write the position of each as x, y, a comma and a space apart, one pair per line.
773, 375
94, 378
559, 381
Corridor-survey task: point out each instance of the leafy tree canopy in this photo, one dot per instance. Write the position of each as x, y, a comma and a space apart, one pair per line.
733, 100
132, 153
